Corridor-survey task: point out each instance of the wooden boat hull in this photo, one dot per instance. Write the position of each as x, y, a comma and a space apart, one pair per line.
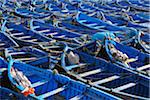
104, 52
107, 76
25, 37
95, 23
25, 54
59, 86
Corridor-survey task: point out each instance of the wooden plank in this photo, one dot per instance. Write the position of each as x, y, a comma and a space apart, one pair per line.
65, 10
41, 82
50, 47
24, 37
54, 33
15, 53
78, 97
15, 34
42, 31
90, 73
62, 36
74, 66
32, 40
53, 92
24, 59
92, 24
126, 86
98, 27
105, 80
143, 67
2, 44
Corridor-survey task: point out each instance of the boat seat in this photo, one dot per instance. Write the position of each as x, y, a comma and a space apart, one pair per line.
25, 59
43, 31
82, 21
50, 47
41, 82
143, 67
32, 40
16, 53
91, 25
65, 10
74, 66
126, 86
53, 92
24, 37
62, 36
54, 33
105, 80
15, 34
2, 44
36, 27
90, 73
78, 97
98, 27
25, 13
52, 51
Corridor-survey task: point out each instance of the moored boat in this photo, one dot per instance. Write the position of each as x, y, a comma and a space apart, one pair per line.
105, 75
51, 85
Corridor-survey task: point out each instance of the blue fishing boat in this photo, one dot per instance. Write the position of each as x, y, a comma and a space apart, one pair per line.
117, 53
145, 2
39, 3
72, 39
87, 8
25, 54
138, 3
101, 7
43, 11
51, 31
71, 8
127, 56
47, 30
119, 21
116, 20
24, 36
104, 75
62, 13
27, 13
145, 16
8, 94
133, 17
132, 6
95, 23
72, 27
43, 84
